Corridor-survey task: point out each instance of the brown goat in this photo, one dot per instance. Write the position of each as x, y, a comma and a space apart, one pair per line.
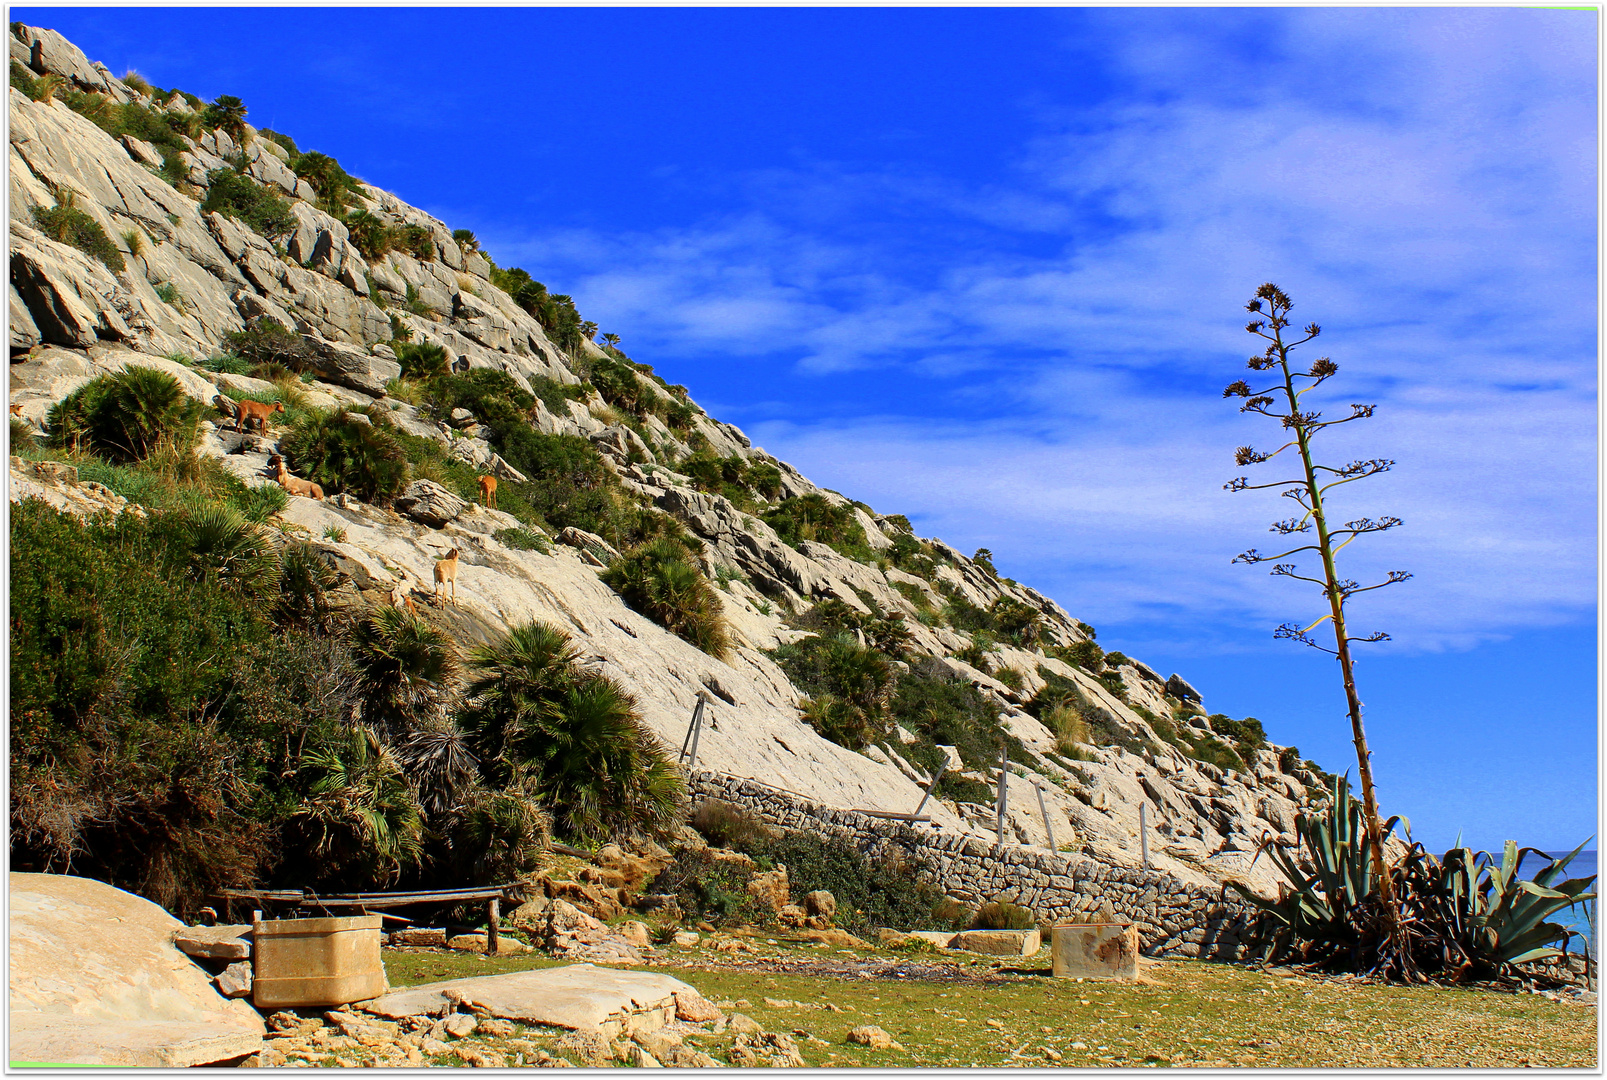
256, 410
16, 410
447, 570
488, 490
294, 485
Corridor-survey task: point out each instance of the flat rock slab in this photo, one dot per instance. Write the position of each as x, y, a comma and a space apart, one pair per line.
998, 942
42, 1039
96, 980
940, 938
215, 942
578, 997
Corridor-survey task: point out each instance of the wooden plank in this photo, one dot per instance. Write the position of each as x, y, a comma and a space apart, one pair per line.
895, 817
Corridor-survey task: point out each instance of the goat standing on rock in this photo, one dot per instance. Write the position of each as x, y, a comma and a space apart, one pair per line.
447, 570
294, 485
488, 491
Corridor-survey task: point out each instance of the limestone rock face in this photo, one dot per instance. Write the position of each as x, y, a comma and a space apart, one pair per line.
200, 277
96, 980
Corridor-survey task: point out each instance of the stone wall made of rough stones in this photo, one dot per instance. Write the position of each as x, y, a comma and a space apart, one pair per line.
1174, 918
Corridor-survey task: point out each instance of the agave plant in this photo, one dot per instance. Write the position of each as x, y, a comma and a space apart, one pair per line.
1497, 919
1325, 912
1461, 917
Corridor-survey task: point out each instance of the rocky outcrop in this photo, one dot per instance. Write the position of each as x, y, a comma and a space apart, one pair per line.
96, 980
190, 279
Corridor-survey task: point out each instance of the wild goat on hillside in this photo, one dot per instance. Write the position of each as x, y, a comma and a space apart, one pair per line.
488, 491
447, 570
293, 485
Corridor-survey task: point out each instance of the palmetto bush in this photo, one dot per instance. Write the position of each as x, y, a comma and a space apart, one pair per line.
127, 416
230, 550
360, 820
662, 580
574, 737
406, 670
341, 454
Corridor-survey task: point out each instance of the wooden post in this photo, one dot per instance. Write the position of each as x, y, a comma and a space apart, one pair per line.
941, 769
1001, 803
492, 930
1143, 832
1047, 824
691, 729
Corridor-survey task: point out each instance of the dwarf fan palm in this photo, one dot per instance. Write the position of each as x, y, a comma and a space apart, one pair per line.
405, 669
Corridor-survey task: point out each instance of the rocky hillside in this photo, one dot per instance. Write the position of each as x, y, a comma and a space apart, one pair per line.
191, 246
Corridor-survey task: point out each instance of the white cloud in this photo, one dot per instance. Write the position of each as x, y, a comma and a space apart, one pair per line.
1422, 181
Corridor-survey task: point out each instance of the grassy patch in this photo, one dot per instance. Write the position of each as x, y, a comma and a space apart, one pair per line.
1191, 1013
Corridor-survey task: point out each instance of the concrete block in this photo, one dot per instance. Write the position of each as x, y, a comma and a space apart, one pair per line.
317, 961
998, 942
1095, 951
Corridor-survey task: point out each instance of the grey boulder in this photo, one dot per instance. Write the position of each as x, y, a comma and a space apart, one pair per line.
429, 503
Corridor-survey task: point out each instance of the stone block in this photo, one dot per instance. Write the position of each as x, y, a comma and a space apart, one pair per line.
215, 942
998, 942
1095, 951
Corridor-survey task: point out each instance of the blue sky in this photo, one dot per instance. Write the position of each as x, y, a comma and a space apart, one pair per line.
986, 267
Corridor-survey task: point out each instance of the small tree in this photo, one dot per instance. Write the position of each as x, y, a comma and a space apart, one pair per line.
1282, 401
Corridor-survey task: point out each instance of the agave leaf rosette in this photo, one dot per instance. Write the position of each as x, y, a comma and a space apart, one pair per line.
1319, 913
1504, 919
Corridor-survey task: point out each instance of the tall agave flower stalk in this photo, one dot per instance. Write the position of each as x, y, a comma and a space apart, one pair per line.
1282, 400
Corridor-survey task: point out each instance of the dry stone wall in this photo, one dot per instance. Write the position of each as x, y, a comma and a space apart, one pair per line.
1173, 917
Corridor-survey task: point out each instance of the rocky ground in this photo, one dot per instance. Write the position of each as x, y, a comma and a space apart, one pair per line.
789, 1004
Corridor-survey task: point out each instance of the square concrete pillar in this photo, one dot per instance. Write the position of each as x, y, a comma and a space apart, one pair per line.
1095, 951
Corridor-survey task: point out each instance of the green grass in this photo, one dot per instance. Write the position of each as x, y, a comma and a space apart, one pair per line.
1186, 1013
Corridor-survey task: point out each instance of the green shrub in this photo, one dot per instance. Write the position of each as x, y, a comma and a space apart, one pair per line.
341, 454
421, 361
69, 225
662, 580
813, 517
534, 711
492, 396
283, 140
169, 294
524, 540
22, 434
1248, 732
893, 888
267, 341
556, 395
1289, 759
152, 711
727, 826
938, 710
234, 194
332, 183
1003, 915
127, 416
23, 79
